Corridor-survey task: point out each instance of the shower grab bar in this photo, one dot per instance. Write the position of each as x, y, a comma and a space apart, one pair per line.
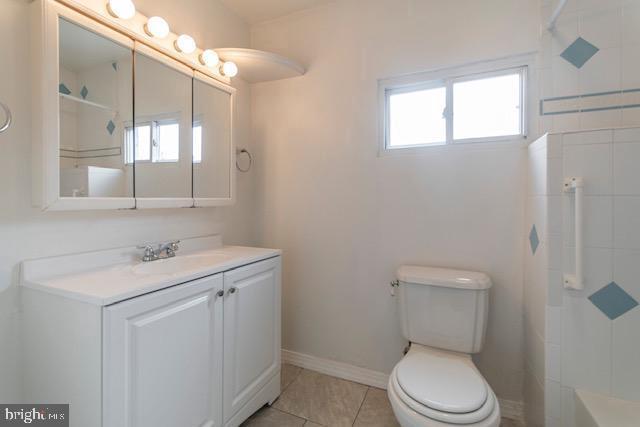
576, 185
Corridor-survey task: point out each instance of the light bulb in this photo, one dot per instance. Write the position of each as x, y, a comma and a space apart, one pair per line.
209, 58
157, 27
185, 44
229, 69
123, 9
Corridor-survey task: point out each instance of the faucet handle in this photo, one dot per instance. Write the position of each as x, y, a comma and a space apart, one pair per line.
149, 253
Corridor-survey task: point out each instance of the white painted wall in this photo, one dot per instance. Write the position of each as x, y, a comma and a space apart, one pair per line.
347, 218
27, 233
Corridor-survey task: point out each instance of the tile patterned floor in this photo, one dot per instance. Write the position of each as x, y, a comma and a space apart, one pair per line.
311, 399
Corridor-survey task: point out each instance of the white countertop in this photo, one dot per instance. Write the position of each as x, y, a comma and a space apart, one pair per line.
107, 277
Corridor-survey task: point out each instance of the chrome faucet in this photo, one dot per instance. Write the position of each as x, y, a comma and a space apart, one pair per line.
152, 253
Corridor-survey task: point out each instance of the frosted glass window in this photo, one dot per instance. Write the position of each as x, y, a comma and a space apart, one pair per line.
416, 117
488, 107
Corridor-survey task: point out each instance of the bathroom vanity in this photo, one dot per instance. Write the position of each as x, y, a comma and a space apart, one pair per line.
191, 341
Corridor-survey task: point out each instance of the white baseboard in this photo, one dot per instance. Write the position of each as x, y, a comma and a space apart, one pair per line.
508, 408
336, 369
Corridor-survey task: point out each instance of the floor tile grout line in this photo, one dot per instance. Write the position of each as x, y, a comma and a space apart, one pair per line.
289, 413
361, 405
294, 378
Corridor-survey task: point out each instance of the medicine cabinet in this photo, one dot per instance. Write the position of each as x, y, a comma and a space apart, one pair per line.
119, 124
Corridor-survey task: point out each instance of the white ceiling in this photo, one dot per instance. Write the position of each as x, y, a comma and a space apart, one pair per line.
254, 11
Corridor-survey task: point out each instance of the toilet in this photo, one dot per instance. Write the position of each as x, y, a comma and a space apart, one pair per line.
443, 314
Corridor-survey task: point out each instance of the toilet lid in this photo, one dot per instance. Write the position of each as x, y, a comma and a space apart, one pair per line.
441, 380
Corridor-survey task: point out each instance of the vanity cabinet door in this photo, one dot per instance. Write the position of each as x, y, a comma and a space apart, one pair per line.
251, 332
163, 358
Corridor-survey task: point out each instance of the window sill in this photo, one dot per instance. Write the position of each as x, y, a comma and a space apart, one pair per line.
517, 142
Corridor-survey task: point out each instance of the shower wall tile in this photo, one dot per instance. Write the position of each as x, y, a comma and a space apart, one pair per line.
627, 222
625, 356
601, 26
553, 359
626, 271
602, 73
586, 348
626, 168
597, 269
598, 221
554, 214
626, 135
592, 137
555, 178
554, 325
591, 162
553, 399
554, 146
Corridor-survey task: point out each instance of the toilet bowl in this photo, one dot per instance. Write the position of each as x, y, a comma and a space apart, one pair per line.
436, 388
443, 314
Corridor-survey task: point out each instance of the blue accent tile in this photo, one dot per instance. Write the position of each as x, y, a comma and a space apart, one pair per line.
613, 301
63, 89
115, 66
579, 52
111, 127
84, 92
534, 240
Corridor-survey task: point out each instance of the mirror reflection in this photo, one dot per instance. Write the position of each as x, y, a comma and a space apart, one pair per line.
211, 141
161, 142
95, 91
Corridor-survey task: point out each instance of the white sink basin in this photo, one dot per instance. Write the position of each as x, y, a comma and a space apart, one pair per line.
179, 264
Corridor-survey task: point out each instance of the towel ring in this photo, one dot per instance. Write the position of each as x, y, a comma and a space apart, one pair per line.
7, 113
244, 151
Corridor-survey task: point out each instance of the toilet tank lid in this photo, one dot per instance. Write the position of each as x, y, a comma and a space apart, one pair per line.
443, 277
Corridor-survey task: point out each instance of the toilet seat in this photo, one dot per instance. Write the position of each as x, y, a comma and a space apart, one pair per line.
442, 387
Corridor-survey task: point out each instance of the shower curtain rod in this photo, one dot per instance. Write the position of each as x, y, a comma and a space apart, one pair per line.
556, 14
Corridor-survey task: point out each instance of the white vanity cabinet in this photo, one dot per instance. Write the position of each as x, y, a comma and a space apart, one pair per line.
163, 357
201, 352
251, 336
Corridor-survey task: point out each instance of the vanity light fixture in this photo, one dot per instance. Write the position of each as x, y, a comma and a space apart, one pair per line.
209, 58
123, 9
185, 44
156, 27
229, 69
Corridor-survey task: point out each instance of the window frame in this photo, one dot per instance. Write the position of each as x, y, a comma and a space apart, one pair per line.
447, 78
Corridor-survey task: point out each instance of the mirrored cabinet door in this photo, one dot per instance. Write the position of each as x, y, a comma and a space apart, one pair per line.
159, 144
212, 143
95, 91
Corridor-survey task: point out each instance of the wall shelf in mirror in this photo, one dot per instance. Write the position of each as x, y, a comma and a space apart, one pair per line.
259, 66
87, 102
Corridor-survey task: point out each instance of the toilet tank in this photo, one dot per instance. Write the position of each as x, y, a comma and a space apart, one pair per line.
443, 308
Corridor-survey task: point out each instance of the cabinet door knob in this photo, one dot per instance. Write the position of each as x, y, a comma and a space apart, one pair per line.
233, 290
220, 293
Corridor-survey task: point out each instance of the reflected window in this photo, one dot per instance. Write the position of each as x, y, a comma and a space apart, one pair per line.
154, 142
197, 143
